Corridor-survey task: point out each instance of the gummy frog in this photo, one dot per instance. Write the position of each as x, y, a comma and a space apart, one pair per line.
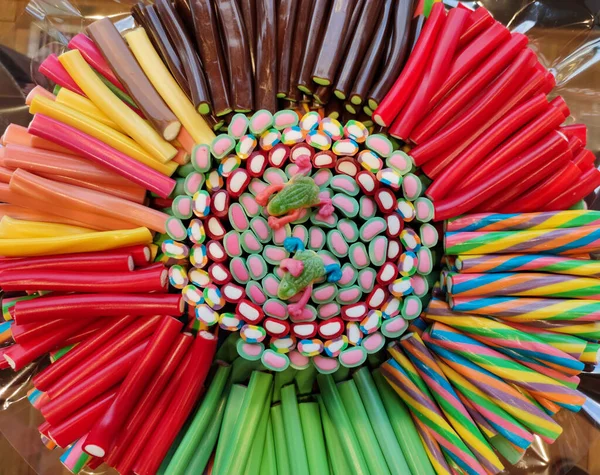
302, 271
300, 193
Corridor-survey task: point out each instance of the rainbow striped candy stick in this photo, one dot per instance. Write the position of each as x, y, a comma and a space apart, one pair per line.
37, 398
523, 285
545, 241
428, 413
5, 332
74, 458
521, 221
492, 263
504, 367
500, 420
547, 406
590, 354
502, 336
517, 309
585, 331
499, 392
432, 449
448, 401
509, 451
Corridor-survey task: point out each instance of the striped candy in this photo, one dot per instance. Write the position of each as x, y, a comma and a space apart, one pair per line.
522, 221
519, 263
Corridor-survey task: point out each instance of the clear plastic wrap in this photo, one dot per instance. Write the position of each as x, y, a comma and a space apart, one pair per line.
564, 33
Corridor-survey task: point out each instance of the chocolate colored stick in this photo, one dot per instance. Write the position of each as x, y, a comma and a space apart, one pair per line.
117, 54
184, 12
323, 94
362, 36
318, 22
266, 56
303, 17
332, 47
208, 40
356, 14
398, 52
249, 14
160, 39
286, 19
189, 57
416, 24
373, 57
238, 55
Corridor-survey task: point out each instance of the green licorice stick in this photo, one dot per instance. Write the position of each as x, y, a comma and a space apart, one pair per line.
380, 422
293, 431
200, 422
244, 431
268, 464
232, 411
283, 462
341, 374
281, 379
228, 350
116, 91
362, 427
339, 417
305, 380
404, 428
312, 429
204, 449
258, 444
241, 369
337, 457
185, 170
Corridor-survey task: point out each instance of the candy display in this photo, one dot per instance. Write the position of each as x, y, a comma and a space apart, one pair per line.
272, 237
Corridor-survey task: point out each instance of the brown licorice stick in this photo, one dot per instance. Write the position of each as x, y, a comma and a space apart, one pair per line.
303, 17
162, 43
184, 12
332, 47
266, 56
116, 52
316, 31
208, 40
189, 57
323, 94
249, 15
356, 14
417, 22
357, 47
398, 52
374, 56
286, 19
237, 52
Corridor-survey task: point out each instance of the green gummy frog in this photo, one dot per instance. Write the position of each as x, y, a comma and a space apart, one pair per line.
298, 194
301, 272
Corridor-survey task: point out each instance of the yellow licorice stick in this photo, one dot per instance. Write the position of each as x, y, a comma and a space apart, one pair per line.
113, 107
100, 131
167, 87
85, 106
96, 241
11, 228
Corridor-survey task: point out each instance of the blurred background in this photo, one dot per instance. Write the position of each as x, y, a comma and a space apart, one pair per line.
564, 33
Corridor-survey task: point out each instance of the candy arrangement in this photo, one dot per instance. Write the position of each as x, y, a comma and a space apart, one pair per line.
315, 220
238, 317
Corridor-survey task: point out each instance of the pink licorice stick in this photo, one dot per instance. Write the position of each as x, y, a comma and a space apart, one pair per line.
470, 157
487, 105
97, 151
464, 93
526, 137
106, 430
437, 70
501, 177
53, 70
469, 58
406, 83
449, 158
92, 55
